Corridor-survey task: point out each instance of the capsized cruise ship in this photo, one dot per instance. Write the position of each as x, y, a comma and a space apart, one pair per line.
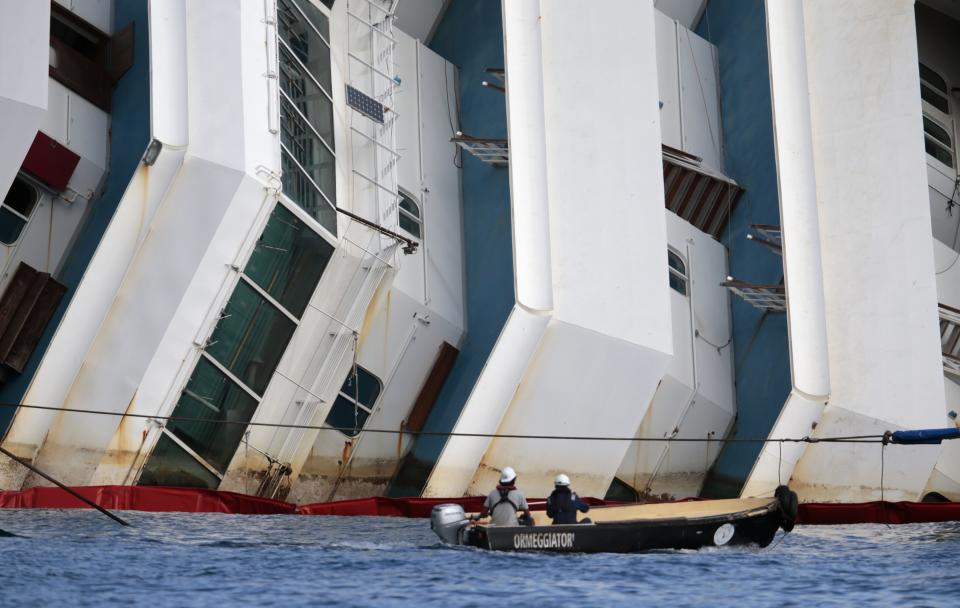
322, 249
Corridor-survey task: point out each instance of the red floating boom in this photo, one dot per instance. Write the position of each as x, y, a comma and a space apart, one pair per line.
191, 500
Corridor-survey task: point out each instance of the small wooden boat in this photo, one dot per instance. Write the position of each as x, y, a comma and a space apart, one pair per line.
631, 528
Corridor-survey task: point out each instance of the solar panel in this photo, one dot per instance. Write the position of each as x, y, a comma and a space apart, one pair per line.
366, 105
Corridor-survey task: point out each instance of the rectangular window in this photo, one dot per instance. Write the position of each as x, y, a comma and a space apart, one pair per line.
307, 159
301, 92
355, 402
305, 30
288, 260
678, 273
250, 337
410, 219
171, 465
16, 209
932, 97
937, 122
86, 60
314, 159
302, 190
248, 341
937, 141
218, 401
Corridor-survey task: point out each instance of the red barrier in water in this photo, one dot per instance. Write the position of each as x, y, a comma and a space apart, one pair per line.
146, 498
828, 514
192, 500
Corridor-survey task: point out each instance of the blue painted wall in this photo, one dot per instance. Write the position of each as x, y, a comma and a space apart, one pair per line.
471, 37
130, 135
761, 356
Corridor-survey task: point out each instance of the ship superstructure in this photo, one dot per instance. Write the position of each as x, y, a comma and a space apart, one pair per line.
317, 249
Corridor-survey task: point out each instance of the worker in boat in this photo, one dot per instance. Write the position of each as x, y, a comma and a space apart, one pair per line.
503, 503
563, 503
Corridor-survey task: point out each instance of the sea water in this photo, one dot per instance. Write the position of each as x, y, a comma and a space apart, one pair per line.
81, 558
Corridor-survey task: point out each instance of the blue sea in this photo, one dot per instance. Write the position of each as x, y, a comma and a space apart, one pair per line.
81, 558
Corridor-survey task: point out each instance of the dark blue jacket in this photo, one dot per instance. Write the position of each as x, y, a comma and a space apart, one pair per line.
563, 504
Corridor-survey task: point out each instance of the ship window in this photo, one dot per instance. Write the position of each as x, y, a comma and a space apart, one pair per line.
250, 337
937, 141
410, 219
937, 100
86, 43
288, 260
86, 60
307, 159
305, 31
933, 89
171, 465
678, 272
218, 402
936, 114
243, 351
355, 402
15, 211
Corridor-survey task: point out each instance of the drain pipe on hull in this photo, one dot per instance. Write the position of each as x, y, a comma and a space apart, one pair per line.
803, 271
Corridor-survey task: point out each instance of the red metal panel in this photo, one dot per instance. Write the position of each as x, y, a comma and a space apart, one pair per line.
36, 322
431, 388
50, 162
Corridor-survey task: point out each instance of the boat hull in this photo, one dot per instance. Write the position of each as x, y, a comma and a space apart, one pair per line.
756, 527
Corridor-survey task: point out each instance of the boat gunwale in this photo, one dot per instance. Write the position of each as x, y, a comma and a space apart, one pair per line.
750, 513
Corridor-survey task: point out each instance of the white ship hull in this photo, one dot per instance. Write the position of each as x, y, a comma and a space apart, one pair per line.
325, 249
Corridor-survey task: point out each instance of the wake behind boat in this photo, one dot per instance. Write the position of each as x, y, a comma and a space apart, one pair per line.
631, 528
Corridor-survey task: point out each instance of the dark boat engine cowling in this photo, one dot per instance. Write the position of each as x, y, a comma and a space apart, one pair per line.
449, 522
789, 507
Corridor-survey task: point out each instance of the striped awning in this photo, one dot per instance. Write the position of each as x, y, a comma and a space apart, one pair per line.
703, 198
698, 195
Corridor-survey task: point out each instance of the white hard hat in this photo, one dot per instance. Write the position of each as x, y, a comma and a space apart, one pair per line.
561, 480
507, 475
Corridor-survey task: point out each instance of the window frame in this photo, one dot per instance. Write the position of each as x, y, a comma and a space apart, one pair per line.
369, 409
202, 354
940, 119
682, 276
404, 195
37, 196
282, 96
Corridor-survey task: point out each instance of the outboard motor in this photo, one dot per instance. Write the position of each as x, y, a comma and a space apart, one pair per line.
449, 522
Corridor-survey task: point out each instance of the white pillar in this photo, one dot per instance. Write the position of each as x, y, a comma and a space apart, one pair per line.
803, 271
528, 154
793, 137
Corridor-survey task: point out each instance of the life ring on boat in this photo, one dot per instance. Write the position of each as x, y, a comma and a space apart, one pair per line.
789, 505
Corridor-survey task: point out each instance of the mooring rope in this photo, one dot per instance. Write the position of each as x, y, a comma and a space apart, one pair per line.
781, 441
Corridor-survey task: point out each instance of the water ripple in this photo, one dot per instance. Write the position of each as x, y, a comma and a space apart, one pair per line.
172, 559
